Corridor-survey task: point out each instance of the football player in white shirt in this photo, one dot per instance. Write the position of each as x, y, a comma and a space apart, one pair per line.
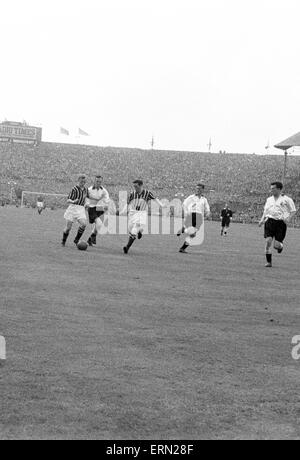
196, 208
40, 205
278, 212
97, 204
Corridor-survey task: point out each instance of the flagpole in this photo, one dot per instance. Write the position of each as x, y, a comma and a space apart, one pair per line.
152, 142
285, 166
209, 145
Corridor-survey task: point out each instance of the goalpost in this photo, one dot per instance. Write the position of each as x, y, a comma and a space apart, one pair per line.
51, 200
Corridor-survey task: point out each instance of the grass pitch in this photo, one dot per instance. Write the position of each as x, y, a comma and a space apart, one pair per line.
154, 345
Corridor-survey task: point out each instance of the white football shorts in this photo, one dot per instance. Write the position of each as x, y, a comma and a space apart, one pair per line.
74, 213
137, 221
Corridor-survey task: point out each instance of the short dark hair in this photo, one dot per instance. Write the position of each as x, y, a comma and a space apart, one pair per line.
138, 182
278, 185
201, 185
98, 176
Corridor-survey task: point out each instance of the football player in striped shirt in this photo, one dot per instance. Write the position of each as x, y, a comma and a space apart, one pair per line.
76, 210
278, 212
137, 209
97, 202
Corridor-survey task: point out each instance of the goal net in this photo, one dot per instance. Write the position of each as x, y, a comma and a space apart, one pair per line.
50, 200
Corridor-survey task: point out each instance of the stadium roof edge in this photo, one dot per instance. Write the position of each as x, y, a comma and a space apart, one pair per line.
293, 141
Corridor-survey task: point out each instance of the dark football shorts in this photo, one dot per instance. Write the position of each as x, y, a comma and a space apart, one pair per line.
225, 222
275, 229
94, 215
194, 220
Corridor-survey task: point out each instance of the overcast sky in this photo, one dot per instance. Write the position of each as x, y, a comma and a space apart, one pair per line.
186, 71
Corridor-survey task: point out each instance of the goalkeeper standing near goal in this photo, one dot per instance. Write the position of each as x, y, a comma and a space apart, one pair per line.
40, 205
76, 210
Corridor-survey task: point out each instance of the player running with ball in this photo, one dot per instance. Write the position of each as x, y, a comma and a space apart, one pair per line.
97, 202
278, 212
195, 208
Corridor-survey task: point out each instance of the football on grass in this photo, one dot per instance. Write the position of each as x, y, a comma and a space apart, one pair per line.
82, 246
191, 232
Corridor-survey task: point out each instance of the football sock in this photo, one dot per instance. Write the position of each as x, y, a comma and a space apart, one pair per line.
81, 231
130, 242
92, 239
269, 258
65, 236
185, 245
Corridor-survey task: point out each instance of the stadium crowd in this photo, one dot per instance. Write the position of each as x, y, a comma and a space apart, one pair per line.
239, 179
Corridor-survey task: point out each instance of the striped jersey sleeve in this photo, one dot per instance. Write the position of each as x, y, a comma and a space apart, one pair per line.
150, 196
130, 198
73, 195
79, 195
